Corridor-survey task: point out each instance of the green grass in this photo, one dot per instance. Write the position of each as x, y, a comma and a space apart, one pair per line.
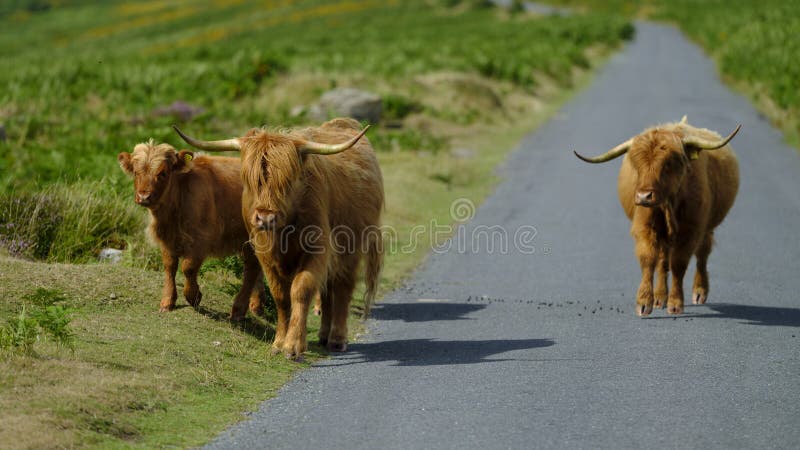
66, 117
132, 377
754, 43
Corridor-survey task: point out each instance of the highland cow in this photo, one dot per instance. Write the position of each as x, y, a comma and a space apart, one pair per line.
676, 185
195, 212
305, 190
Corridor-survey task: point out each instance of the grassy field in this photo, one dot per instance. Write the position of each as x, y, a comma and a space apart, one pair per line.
461, 84
754, 43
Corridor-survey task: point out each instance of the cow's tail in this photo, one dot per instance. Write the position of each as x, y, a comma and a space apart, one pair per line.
372, 272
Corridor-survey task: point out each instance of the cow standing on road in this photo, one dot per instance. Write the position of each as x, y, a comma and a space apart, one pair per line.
676, 185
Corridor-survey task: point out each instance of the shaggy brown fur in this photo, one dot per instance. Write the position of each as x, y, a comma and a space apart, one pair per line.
675, 195
195, 212
313, 194
312, 218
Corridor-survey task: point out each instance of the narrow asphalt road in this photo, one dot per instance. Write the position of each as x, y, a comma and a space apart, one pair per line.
490, 350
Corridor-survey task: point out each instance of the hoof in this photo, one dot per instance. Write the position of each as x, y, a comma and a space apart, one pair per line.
274, 351
337, 346
258, 312
698, 298
659, 303
194, 302
294, 357
317, 311
166, 305
674, 309
643, 310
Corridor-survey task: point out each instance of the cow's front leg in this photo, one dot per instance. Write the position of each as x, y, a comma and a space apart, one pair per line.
679, 261
252, 286
169, 293
304, 287
280, 293
662, 270
190, 266
648, 255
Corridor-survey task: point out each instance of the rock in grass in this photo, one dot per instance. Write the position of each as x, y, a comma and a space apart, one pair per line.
347, 102
111, 255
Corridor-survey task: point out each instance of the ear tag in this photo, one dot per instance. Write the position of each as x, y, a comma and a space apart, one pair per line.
694, 155
188, 157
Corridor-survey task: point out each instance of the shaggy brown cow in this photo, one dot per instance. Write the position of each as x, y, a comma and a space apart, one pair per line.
675, 190
313, 212
195, 212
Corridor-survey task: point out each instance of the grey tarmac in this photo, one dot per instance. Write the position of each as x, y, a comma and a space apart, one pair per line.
482, 349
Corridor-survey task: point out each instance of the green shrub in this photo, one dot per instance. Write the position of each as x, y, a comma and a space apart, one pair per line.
68, 222
20, 333
45, 320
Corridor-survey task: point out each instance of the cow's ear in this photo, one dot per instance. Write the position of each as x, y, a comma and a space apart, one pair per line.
125, 163
691, 151
184, 162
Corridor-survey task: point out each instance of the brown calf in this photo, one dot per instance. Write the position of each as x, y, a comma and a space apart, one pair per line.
195, 212
313, 211
676, 185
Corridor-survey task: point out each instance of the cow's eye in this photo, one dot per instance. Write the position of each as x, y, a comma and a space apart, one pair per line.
162, 175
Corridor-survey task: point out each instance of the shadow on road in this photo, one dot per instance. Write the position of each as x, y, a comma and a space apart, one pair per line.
423, 312
428, 352
757, 315
749, 314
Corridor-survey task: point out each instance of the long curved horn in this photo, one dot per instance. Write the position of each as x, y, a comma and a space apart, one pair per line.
316, 148
227, 145
615, 152
705, 144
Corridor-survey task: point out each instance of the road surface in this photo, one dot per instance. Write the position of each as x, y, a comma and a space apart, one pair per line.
489, 350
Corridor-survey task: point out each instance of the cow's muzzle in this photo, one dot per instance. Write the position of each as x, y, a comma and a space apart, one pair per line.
143, 198
645, 198
264, 220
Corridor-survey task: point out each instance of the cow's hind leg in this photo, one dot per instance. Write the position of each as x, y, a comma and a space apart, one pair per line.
662, 270
700, 287
325, 301
318, 305
343, 293
190, 266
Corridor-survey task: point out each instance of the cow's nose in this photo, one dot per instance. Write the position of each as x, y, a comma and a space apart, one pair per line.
142, 197
265, 220
644, 197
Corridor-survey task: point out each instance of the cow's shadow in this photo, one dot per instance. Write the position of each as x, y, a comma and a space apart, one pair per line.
256, 327
424, 311
430, 352
747, 314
